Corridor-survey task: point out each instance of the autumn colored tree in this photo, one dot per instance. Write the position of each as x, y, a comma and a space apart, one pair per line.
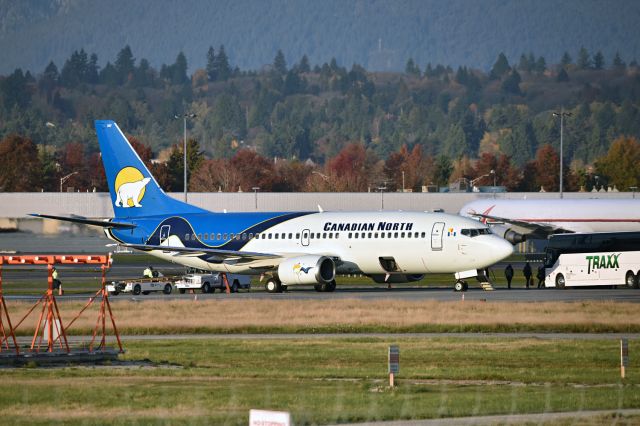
620, 165
72, 159
254, 170
350, 169
215, 175
291, 176
20, 165
506, 173
407, 164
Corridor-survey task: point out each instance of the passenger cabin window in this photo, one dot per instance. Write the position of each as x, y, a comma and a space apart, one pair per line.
290, 236
205, 236
297, 235
218, 236
423, 235
186, 237
199, 236
244, 236
276, 235
224, 237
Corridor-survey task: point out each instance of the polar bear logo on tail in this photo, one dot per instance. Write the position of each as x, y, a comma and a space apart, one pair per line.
131, 191
130, 187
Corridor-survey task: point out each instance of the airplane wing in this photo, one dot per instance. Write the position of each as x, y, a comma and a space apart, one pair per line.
537, 228
87, 221
214, 255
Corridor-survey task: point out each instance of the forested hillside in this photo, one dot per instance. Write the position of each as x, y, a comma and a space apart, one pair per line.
298, 126
378, 34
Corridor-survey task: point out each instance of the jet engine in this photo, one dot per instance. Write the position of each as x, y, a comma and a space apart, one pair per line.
307, 270
509, 234
396, 278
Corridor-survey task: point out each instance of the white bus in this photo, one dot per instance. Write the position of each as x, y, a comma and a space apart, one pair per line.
603, 258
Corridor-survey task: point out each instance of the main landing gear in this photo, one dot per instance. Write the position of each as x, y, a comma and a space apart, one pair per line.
461, 286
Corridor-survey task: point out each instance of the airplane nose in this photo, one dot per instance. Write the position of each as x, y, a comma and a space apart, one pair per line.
501, 248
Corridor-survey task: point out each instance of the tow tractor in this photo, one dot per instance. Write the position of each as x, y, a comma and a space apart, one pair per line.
141, 285
208, 282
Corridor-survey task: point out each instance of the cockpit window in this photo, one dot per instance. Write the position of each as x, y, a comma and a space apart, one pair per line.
475, 232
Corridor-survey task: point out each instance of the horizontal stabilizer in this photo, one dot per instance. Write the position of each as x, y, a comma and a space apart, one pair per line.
86, 221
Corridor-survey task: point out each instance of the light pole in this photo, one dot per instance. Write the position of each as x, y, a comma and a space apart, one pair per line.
562, 115
255, 190
381, 189
184, 149
66, 178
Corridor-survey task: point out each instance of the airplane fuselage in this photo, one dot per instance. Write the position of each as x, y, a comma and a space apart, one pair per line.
364, 242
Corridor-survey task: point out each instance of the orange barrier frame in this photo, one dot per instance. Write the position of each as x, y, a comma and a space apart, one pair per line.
50, 319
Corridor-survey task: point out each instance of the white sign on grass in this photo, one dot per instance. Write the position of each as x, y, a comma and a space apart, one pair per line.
269, 418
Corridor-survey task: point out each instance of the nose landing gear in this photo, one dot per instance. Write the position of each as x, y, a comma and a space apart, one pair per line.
461, 286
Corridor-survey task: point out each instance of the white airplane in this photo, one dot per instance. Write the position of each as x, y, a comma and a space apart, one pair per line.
290, 247
517, 220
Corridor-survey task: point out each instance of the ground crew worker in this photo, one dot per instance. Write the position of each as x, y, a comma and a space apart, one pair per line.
148, 273
56, 281
540, 275
508, 274
527, 273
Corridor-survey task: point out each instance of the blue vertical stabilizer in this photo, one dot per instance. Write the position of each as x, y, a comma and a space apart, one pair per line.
134, 191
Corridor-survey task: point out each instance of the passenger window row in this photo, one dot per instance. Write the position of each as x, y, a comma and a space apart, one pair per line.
360, 235
312, 235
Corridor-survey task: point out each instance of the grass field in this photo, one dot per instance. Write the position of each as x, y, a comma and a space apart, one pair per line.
344, 315
324, 381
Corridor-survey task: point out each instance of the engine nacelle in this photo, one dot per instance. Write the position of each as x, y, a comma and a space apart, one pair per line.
514, 237
307, 270
396, 278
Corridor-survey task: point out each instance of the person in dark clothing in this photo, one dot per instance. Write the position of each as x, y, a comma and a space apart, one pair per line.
527, 273
540, 275
508, 274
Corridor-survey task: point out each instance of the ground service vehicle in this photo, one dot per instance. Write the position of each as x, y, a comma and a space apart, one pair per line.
142, 285
606, 258
207, 281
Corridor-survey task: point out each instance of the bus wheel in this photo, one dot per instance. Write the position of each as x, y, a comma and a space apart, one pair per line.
630, 280
560, 281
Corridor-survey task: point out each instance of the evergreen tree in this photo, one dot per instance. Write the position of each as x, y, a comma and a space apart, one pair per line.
222, 67
211, 64
512, 83
124, 64
618, 63
411, 68
303, 66
562, 76
500, 68
566, 59
179, 70
584, 61
48, 81
598, 61
92, 70
279, 63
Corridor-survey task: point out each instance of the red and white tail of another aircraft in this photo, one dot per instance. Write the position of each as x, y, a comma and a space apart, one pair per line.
518, 220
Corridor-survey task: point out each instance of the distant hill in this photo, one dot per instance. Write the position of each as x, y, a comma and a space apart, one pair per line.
378, 34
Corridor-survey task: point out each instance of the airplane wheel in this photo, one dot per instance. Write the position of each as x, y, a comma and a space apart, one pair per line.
206, 288
459, 286
167, 289
465, 286
560, 282
318, 287
146, 293
273, 286
235, 286
137, 289
331, 286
